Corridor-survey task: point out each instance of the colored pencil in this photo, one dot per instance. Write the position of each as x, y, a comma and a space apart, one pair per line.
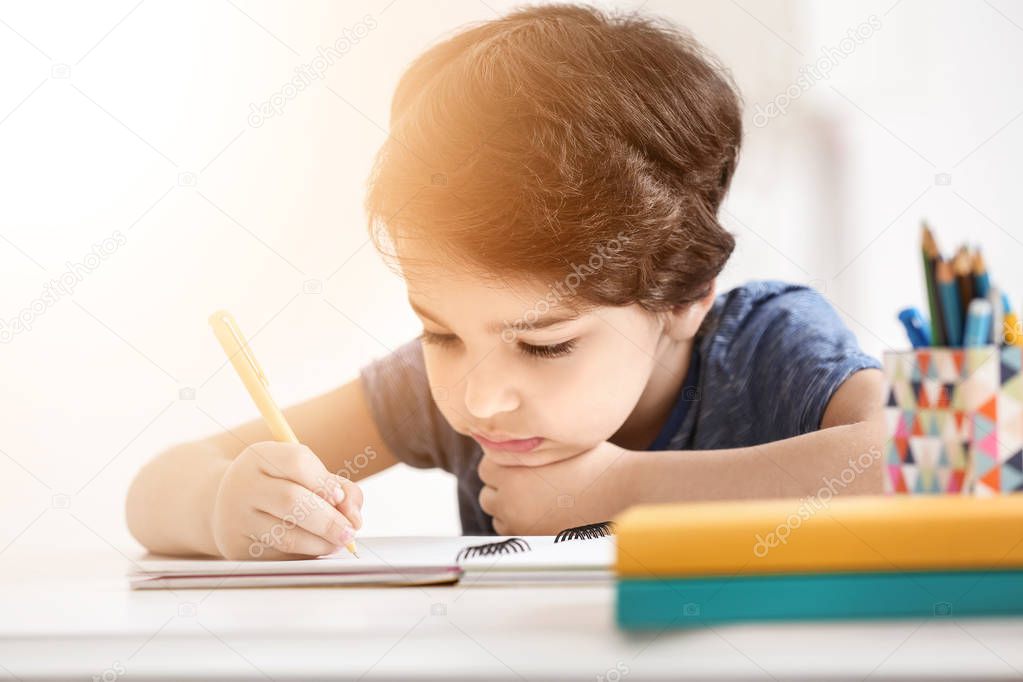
963, 266
950, 303
981, 280
931, 256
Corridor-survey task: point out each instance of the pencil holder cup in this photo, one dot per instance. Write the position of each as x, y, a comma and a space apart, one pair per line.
955, 421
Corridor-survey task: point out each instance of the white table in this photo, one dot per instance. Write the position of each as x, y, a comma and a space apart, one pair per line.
78, 620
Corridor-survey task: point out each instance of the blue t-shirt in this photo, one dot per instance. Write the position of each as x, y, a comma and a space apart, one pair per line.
766, 361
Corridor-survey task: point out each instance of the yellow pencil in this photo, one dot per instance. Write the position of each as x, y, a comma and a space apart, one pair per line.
244, 362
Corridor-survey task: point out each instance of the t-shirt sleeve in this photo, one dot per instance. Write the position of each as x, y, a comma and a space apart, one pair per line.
801, 353
405, 412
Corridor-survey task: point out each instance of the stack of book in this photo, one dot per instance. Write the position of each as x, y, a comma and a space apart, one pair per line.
698, 564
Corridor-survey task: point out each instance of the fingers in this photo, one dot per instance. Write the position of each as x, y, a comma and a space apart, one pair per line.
488, 500
488, 503
301, 465
500, 527
487, 469
281, 536
351, 506
296, 504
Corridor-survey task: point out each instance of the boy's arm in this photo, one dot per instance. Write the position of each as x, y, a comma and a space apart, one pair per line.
170, 502
844, 456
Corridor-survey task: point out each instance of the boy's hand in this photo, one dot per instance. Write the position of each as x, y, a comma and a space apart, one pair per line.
593, 486
278, 501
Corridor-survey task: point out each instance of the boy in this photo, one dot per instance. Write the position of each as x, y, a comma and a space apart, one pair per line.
550, 192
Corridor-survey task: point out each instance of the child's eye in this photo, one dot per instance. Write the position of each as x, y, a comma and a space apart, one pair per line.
556, 350
548, 352
438, 339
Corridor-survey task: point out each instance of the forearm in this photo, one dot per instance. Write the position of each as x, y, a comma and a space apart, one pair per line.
170, 502
846, 459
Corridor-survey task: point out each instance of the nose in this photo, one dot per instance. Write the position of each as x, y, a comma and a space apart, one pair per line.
489, 391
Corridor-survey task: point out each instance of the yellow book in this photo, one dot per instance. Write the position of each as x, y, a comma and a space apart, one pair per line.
863, 533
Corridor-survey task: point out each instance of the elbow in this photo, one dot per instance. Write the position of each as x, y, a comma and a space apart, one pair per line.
142, 502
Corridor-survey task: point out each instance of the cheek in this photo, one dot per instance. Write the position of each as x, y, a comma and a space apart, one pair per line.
442, 375
594, 399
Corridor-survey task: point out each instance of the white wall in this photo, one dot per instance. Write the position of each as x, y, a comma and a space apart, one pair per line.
133, 119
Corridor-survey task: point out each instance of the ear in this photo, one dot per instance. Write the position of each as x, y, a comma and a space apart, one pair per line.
682, 322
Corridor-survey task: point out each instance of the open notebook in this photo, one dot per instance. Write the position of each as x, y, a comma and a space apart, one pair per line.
581, 554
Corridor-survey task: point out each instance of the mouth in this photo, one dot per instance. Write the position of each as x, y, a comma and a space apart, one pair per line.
508, 444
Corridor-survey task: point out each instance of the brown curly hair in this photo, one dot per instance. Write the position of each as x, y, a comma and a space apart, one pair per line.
522, 146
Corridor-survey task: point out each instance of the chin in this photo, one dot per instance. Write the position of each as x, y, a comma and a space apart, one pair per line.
549, 453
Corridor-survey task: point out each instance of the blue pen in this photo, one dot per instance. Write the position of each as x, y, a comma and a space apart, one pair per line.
917, 330
978, 323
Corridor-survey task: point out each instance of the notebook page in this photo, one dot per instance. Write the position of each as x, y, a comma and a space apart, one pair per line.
395, 554
378, 554
591, 554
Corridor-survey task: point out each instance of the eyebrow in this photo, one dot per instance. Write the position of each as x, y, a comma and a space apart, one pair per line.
498, 326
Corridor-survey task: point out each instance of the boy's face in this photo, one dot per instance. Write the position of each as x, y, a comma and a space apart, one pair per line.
532, 379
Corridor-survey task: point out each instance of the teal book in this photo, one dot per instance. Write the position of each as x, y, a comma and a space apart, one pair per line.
698, 601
